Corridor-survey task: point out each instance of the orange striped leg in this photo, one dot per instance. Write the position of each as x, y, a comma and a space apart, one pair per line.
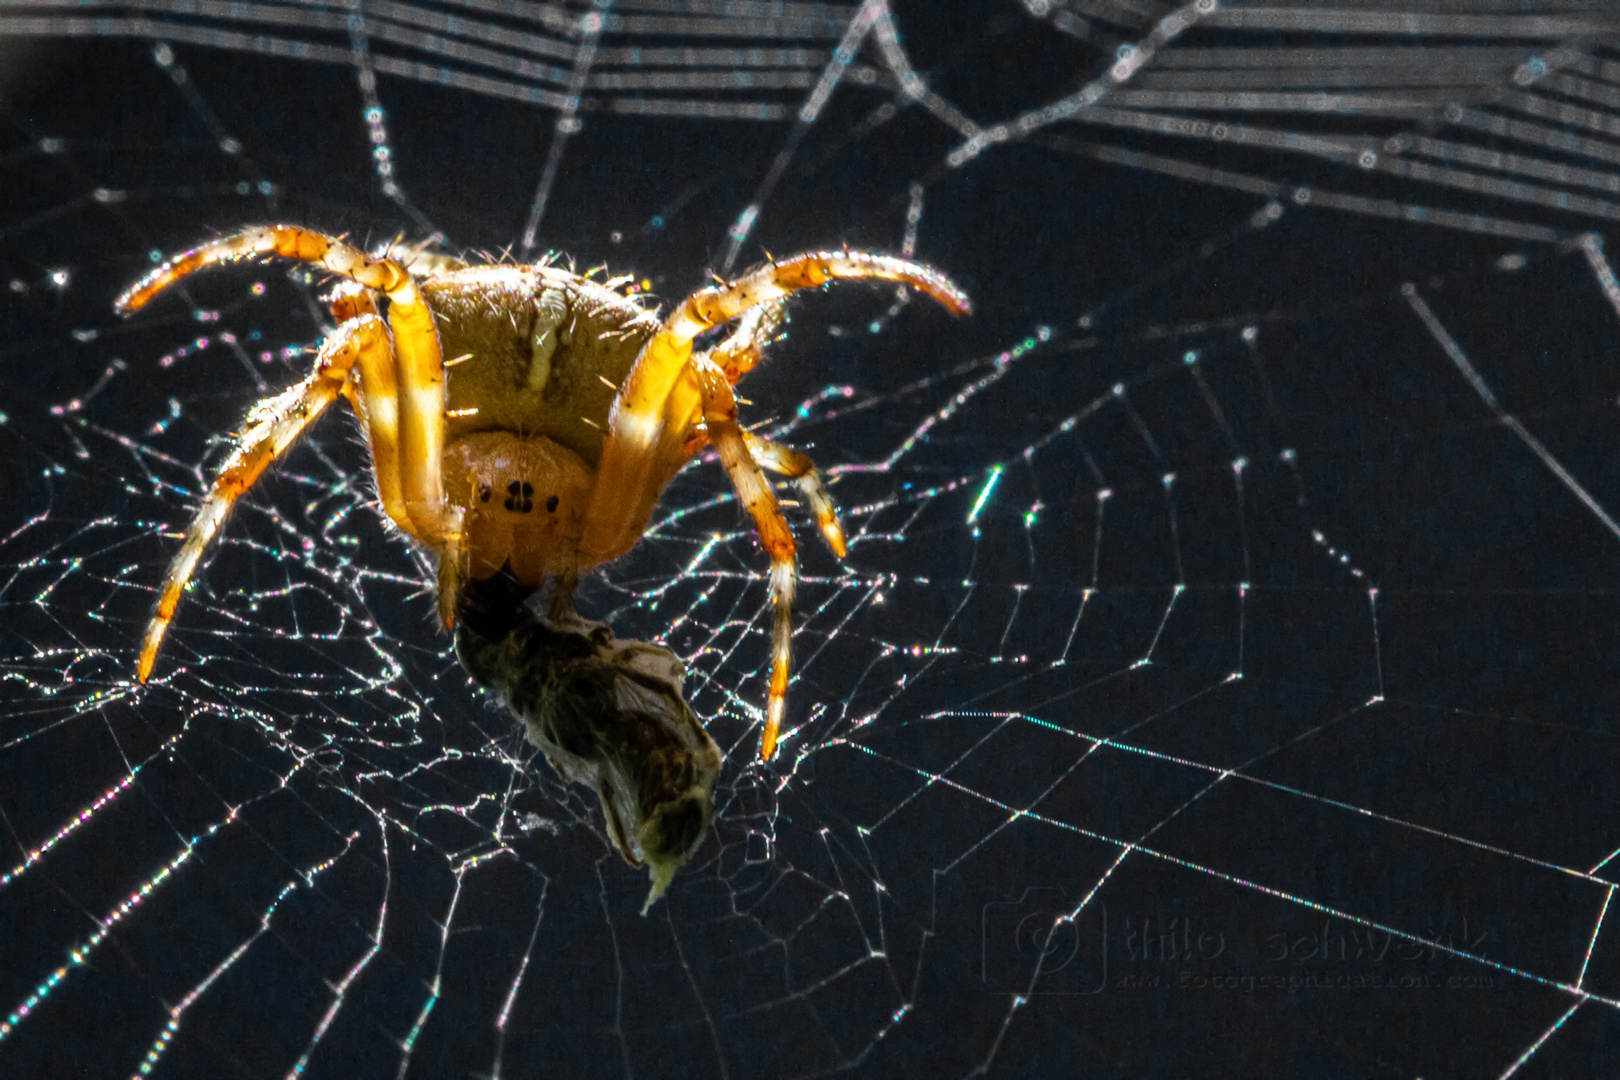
419, 363
375, 395
271, 427
737, 356
375, 399
350, 300
754, 492
637, 430
802, 471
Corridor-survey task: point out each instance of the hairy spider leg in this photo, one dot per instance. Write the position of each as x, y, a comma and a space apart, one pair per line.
272, 426
754, 492
743, 454
649, 429
350, 300
798, 467
737, 356
375, 397
639, 432
740, 353
733, 358
419, 365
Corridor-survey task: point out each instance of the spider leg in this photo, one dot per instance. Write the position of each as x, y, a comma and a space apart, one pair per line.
419, 365
737, 356
740, 353
350, 300
271, 427
650, 414
754, 492
375, 397
798, 467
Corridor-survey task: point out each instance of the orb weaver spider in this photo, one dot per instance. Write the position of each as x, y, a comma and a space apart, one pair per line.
541, 446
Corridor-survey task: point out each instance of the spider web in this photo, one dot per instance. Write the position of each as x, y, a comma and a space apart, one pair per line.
1221, 677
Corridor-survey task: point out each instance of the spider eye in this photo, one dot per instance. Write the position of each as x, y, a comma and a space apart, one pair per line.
519, 497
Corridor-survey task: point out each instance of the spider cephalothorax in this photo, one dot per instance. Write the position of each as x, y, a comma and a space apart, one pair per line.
525, 419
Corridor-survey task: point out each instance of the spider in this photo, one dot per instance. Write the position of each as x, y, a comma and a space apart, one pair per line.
540, 447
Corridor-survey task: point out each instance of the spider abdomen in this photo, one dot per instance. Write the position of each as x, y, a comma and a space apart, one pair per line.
533, 349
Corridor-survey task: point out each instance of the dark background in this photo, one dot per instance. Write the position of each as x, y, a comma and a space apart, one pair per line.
1379, 851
